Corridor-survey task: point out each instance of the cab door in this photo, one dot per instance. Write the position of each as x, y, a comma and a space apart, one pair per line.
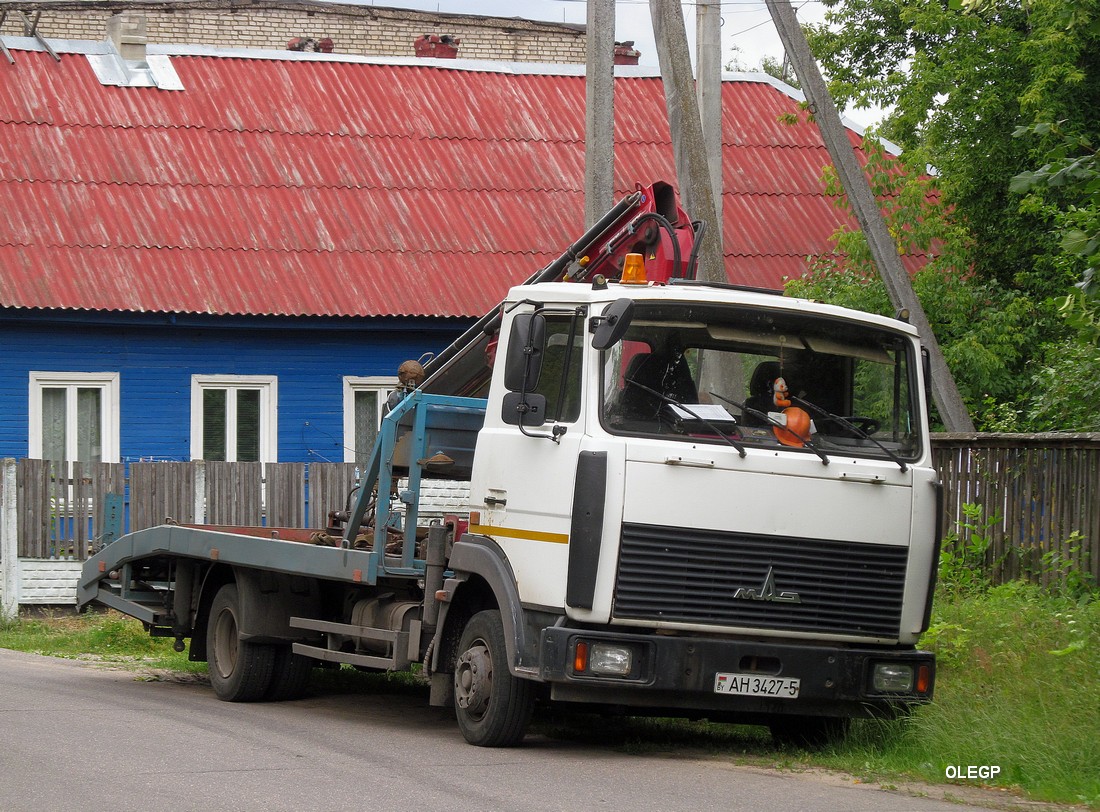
525, 463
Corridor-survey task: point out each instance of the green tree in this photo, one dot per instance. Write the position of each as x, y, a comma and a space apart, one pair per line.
986, 331
984, 92
958, 82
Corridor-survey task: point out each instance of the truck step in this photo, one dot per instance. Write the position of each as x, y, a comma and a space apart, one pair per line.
366, 660
397, 643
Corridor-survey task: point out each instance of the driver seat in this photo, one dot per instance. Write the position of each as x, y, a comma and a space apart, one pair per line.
672, 379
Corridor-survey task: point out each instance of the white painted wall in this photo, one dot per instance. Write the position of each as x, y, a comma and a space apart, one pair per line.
48, 581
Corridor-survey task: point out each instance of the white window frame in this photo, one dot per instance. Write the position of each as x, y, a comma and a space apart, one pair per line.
106, 382
269, 412
380, 384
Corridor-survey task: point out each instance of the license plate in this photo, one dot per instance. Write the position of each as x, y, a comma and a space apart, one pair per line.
756, 685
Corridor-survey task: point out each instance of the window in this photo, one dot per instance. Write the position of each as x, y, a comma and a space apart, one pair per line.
74, 416
560, 379
710, 373
363, 401
234, 418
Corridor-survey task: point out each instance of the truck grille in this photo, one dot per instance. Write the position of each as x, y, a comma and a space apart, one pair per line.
691, 576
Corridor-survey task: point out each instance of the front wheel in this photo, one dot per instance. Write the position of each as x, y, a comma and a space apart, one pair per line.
493, 707
239, 671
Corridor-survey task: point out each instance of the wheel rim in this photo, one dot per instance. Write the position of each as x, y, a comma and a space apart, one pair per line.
225, 643
474, 680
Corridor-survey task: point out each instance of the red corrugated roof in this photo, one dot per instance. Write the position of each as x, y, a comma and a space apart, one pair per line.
289, 185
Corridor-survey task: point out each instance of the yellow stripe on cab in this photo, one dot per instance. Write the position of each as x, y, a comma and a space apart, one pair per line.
517, 533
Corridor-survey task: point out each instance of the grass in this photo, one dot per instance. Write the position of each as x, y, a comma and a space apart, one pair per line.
107, 637
1018, 687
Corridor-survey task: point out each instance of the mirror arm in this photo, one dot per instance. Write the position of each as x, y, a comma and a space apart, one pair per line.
523, 408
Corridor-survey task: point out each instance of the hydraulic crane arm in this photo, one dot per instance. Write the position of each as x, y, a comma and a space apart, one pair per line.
648, 221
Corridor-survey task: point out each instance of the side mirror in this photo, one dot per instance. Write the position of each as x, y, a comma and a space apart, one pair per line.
523, 363
613, 324
520, 409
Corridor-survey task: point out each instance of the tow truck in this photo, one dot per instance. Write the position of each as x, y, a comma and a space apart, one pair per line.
685, 498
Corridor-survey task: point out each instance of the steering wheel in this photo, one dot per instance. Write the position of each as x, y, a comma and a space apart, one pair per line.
868, 425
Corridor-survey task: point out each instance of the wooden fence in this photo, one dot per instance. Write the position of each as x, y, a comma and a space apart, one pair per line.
1037, 495
1036, 498
67, 517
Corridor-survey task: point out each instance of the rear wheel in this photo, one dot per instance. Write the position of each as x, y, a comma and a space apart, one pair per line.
290, 676
239, 671
493, 708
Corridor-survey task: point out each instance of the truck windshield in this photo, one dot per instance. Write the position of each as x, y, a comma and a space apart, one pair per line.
709, 373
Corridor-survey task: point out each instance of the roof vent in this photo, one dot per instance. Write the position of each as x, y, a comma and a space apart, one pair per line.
626, 53
124, 61
432, 46
126, 31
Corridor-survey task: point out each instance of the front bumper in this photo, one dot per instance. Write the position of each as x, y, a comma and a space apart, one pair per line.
676, 675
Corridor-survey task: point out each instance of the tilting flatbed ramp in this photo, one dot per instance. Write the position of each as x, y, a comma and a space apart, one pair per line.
106, 575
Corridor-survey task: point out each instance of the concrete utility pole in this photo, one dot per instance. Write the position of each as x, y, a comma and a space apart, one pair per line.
700, 190
599, 111
9, 543
708, 87
688, 147
883, 248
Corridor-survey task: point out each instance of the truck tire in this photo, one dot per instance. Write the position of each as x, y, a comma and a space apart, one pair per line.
808, 732
493, 707
239, 671
290, 675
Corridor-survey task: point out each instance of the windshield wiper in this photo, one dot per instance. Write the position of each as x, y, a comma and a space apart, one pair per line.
746, 409
672, 401
854, 428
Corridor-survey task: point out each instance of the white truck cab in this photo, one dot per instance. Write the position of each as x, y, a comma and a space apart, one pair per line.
711, 498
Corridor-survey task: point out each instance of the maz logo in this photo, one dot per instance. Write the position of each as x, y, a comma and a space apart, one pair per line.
767, 592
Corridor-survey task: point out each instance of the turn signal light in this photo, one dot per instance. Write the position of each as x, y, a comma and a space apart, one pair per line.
924, 679
580, 658
634, 270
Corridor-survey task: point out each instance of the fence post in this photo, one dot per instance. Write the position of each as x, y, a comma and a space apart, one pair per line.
200, 491
9, 543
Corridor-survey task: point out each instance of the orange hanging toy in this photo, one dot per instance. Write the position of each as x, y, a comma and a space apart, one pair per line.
781, 395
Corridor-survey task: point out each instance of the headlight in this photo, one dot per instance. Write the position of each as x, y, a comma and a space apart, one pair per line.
603, 659
892, 678
610, 659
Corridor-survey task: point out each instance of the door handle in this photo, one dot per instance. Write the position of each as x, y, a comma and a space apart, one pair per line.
870, 479
688, 462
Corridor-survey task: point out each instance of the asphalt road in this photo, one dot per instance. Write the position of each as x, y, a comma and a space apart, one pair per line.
79, 737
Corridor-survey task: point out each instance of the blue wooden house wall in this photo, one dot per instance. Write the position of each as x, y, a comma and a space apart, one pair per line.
156, 356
